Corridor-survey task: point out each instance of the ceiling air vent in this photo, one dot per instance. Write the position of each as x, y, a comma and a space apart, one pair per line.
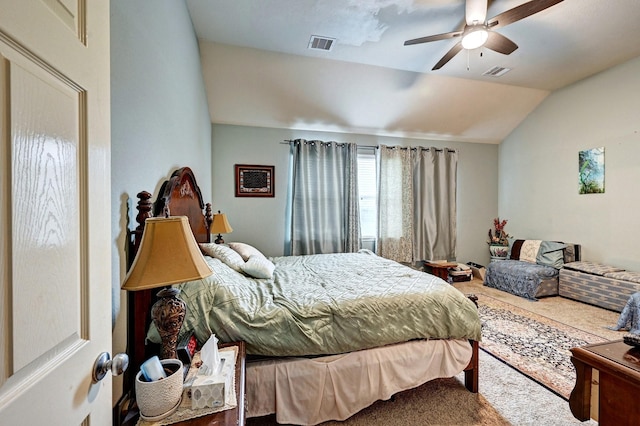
496, 71
321, 43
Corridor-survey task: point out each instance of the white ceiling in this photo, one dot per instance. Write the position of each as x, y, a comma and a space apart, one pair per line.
558, 46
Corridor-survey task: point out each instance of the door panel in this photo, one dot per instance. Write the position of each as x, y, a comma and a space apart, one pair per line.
55, 306
71, 13
45, 166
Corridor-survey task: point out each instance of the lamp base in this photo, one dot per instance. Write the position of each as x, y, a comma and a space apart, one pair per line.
219, 240
168, 315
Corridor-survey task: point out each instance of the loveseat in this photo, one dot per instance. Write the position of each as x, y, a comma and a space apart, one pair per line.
601, 285
532, 268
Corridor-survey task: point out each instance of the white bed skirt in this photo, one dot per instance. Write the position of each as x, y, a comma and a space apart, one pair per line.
310, 391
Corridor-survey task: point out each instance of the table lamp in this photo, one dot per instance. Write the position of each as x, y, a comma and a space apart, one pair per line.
168, 254
219, 226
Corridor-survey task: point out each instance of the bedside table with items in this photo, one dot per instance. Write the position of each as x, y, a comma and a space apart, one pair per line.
439, 268
199, 417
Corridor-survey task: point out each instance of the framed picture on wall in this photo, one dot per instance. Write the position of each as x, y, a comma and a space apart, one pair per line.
254, 181
591, 171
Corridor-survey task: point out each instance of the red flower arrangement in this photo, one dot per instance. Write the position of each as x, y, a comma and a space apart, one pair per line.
498, 236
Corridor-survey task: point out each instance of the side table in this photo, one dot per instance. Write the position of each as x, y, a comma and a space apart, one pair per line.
233, 416
618, 366
439, 269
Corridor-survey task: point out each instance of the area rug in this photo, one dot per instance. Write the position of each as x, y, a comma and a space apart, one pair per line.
537, 346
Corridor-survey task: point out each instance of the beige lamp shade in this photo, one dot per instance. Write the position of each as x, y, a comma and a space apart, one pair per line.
168, 254
220, 224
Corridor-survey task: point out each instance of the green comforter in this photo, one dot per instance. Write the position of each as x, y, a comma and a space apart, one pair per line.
326, 304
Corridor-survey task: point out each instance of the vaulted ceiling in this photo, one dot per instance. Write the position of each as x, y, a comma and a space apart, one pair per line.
259, 69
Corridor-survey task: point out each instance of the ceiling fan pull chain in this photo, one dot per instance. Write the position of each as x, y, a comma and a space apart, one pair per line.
468, 55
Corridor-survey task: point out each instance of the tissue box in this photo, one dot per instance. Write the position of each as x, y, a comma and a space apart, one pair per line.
208, 391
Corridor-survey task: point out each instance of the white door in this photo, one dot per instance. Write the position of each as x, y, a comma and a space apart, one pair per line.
55, 298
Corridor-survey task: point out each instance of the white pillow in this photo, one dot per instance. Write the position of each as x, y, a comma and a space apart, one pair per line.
245, 250
221, 251
259, 266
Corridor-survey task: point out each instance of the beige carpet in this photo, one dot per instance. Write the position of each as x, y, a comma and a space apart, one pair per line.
506, 396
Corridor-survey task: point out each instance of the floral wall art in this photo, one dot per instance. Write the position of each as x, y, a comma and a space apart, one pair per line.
591, 171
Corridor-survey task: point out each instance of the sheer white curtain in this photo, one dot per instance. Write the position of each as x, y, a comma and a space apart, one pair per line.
417, 203
324, 211
395, 204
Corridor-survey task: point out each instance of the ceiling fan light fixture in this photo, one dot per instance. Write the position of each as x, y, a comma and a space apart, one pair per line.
474, 38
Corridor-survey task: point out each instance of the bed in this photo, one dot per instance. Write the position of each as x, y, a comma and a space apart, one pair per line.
326, 335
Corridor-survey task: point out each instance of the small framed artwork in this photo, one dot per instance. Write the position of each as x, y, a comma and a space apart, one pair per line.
591, 171
254, 181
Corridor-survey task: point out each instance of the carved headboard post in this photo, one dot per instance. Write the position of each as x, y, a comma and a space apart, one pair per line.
145, 205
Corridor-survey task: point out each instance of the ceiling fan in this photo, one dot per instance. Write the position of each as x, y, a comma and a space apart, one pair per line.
478, 31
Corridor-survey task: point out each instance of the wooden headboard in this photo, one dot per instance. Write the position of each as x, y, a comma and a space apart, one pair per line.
179, 196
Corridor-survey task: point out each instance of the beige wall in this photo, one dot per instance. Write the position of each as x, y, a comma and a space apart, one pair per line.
539, 168
160, 119
261, 221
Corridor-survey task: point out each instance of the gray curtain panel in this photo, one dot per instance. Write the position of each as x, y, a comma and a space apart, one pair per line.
434, 217
417, 203
325, 215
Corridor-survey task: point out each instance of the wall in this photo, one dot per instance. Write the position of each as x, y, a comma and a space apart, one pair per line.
160, 119
538, 190
261, 221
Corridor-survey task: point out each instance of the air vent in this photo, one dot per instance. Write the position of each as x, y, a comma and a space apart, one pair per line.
497, 71
321, 43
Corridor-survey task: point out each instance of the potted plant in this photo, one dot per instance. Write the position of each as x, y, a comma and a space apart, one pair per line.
498, 240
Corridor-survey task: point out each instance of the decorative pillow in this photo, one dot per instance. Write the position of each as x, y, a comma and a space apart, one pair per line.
529, 250
624, 276
592, 267
245, 250
223, 252
516, 245
551, 253
259, 266
548, 253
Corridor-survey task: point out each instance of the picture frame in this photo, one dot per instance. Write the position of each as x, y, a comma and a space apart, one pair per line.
591, 171
254, 180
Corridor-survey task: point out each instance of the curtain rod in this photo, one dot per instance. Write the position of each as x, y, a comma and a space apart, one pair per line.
289, 141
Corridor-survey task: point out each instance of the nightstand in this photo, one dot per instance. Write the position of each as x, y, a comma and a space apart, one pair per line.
439, 269
234, 416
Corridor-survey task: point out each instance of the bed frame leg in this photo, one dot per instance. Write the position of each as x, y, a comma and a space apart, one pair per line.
471, 371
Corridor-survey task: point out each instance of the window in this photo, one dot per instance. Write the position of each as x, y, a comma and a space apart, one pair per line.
367, 184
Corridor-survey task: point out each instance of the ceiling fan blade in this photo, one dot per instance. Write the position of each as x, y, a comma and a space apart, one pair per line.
433, 38
447, 57
520, 12
500, 43
475, 11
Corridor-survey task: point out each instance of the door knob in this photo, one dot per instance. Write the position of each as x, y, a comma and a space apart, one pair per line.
104, 363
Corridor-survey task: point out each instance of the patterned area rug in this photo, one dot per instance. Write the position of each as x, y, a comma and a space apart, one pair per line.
535, 345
